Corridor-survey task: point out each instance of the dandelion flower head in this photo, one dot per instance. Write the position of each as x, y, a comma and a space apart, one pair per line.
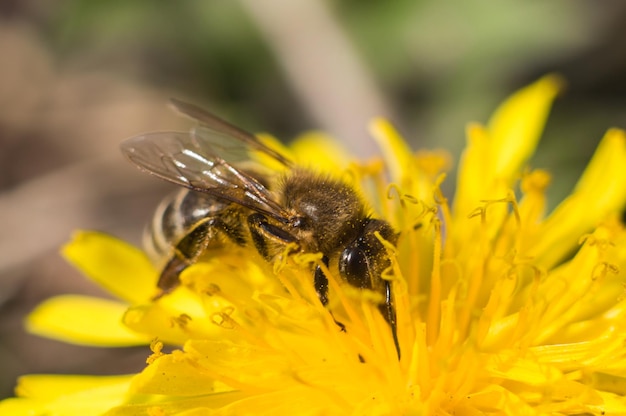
501, 307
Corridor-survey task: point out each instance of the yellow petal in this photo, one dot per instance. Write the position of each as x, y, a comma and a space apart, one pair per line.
319, 152
174, 375
517, 124
155, 321
397, 155
417, 176
119, 267
47, 387
84, 320
474, 182
612, 404
172, 405
605, 176
296, 401
600, 191
522, 370
495, 156
22, 407
66, 395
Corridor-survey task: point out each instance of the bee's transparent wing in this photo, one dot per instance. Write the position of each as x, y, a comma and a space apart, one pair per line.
232, 143
203, 163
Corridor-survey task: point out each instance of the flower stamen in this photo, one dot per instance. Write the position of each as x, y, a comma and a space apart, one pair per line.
156, 347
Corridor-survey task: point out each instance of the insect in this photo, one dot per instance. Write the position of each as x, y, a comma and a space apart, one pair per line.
224, 199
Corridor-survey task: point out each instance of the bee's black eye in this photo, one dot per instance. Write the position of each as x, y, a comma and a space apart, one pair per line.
354, 265
363, 260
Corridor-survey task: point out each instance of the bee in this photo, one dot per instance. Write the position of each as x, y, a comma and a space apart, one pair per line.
224, 200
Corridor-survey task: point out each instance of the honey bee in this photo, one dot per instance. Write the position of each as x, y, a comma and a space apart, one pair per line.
225, 200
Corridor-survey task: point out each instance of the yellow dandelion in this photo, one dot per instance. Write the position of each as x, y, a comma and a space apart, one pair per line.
500, 308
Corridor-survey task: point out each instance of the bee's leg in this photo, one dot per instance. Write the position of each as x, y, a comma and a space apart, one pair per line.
389, 313
264, 234
169, 278
190, 247
320, 282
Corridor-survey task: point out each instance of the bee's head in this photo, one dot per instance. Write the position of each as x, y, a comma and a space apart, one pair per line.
363, 260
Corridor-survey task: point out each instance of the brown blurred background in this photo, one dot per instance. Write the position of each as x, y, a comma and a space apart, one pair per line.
77, 77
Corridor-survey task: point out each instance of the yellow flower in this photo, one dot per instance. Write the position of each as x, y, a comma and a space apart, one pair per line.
501, 309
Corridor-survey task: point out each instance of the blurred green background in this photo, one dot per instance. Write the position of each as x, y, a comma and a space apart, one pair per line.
77, 77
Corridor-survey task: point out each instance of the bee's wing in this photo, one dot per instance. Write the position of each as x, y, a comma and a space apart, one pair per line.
201, 161
233, 143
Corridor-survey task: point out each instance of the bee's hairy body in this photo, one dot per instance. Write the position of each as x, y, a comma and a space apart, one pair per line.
178, 214
225, 200
327, 216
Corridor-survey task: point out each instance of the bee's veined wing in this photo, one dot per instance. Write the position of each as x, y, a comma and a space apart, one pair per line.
196, 163
233, 143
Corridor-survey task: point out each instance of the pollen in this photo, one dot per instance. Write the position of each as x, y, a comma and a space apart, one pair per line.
156, 347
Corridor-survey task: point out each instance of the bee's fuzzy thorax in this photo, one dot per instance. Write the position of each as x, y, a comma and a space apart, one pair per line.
333, 208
